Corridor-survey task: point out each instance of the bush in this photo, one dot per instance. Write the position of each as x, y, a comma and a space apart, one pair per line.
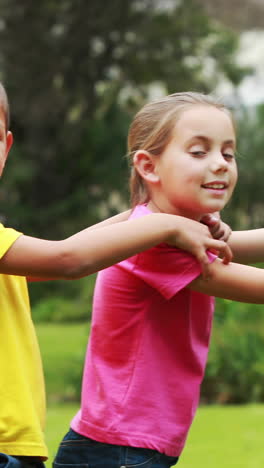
235, 370
73, 305
59, 310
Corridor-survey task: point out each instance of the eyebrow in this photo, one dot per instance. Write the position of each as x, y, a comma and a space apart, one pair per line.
206, 140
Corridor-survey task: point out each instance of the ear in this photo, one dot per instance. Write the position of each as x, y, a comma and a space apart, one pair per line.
145, 164
9, 142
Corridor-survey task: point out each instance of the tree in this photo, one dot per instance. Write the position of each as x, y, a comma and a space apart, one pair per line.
246, 14
74, 71
246, 208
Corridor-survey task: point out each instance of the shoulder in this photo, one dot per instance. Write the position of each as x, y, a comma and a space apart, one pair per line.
139, 210
7, 237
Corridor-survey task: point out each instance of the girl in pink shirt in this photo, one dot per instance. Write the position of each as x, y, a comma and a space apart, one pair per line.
153, 312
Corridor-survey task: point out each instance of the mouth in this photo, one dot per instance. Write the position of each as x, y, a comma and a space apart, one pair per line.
216, 185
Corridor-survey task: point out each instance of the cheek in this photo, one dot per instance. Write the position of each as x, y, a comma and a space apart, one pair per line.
233, 181
1, 168
2, 160
235, 176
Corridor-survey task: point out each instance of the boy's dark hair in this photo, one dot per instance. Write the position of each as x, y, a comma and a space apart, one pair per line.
4, 105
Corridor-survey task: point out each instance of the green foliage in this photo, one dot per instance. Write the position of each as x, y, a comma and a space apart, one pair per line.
75, 72
63, 301
73, 92
235, 370
63, 349
58, 310
246, 208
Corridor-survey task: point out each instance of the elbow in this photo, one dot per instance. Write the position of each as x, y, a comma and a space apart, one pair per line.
71, 266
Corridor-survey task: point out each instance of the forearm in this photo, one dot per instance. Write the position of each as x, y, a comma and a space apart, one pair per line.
247, 246
114, 243
87, 251
113, 220
233, 281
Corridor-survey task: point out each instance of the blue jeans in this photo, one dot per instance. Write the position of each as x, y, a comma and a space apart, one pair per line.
77, 451
8, 461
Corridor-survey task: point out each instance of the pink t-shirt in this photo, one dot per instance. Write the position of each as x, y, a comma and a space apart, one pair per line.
147, 351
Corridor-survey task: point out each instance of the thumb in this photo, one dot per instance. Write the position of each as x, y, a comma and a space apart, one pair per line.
209, 219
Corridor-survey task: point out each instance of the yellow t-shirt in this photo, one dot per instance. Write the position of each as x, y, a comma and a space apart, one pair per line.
22, 391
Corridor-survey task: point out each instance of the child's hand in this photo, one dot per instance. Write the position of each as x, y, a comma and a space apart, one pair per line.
217, 227
196, 238
219, 230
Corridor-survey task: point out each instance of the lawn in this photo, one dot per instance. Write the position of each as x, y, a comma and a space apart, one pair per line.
63, 349
221, 436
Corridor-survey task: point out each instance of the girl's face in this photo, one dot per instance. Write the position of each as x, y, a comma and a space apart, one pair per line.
197, 172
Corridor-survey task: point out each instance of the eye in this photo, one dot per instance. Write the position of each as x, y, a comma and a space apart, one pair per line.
228, 156
198, 154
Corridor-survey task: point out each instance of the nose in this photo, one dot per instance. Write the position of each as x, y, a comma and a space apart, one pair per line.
218, 163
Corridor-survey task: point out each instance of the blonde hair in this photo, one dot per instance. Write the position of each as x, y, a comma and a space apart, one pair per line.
4, 105
152, 128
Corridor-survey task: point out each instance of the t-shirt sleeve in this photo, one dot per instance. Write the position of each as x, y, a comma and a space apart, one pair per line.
167, 269
7, 237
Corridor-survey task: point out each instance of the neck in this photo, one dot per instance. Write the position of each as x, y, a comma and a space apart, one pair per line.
157, 207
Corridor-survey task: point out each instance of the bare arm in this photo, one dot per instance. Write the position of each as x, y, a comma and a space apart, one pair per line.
233, 281
247, 246
114, 219
94, 249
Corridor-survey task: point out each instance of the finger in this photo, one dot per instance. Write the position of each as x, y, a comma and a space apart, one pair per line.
204, 262
223, 249
226, 234
228, 255
216, 231
222, 233
209, 220
206, 271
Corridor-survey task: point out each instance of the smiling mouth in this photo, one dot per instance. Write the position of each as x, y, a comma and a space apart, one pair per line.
215, 186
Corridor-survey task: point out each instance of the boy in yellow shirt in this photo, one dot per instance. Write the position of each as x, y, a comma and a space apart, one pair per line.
22, 394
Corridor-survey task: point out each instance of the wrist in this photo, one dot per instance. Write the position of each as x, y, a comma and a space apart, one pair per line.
171, 227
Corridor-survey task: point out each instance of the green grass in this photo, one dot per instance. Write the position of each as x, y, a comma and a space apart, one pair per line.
63, 349
226, 437
221, 436
58, 421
